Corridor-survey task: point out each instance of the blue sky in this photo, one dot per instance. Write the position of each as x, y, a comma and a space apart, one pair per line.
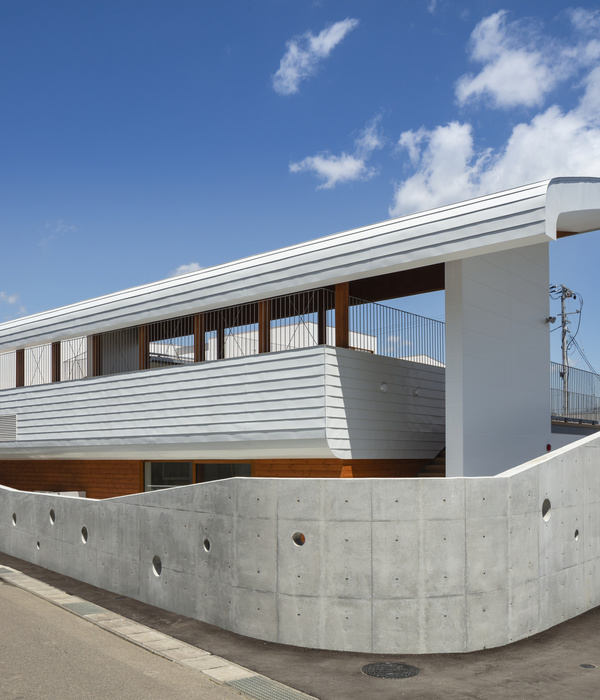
140, 139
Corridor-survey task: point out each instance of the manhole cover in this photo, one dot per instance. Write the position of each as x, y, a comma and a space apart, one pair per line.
390, 670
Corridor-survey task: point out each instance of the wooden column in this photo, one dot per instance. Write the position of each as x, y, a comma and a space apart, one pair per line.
56, 361
220, 336
20, 367
321, 318
96, 360
199, 342
264, 326
144, 347
342, 300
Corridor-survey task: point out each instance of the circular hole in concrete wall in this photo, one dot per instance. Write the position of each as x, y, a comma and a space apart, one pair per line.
299, 538
576, 534
390, 670
52, 516
207, 545
156, 565
546, 510
84, 534
14, 519
37, 545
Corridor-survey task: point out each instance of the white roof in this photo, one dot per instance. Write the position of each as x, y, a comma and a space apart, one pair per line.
518, 217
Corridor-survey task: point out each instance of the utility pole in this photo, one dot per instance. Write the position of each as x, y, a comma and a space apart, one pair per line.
565, 293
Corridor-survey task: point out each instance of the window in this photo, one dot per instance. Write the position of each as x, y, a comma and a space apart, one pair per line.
164, 475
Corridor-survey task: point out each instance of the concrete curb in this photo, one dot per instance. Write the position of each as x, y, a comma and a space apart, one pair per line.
246, 682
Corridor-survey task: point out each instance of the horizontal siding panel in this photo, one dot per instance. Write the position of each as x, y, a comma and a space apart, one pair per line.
279, 398
363, 421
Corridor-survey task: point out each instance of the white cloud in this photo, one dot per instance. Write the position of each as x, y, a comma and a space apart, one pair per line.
333, 169
520, 68
347, 167
8, 298
56, 229
14, 302
586, 21
449, 167
184, 269
304, 53
447, 164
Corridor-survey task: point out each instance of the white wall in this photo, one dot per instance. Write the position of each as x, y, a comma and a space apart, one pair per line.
498, 361
381, 408
388, 565
311, 402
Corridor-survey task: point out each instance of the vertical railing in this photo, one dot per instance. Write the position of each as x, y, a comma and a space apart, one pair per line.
384, 330
575, 394
289, 322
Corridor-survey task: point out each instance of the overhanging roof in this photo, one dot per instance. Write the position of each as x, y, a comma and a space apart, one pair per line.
510, 219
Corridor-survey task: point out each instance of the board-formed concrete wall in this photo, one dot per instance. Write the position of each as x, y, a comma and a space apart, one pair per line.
372, 565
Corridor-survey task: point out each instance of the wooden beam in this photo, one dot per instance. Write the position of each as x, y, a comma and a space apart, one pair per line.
419, 280
565, 234
342, 301
199, 341
264, 326
143, 347
56, 363
20, 367
96, 350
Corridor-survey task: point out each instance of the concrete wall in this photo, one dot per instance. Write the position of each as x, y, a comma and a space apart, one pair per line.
405, 565
498, 359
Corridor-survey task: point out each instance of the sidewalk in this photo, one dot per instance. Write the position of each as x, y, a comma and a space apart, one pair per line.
547, 665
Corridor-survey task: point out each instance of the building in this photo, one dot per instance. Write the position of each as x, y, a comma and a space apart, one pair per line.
276, 366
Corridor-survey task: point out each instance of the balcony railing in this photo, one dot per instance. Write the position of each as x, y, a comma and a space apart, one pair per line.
575, 394
304, 319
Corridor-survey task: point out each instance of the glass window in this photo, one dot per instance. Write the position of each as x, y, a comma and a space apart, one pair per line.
164, 475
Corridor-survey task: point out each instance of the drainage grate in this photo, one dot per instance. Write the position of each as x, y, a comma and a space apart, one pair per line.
84, 608
265, 689
390, 670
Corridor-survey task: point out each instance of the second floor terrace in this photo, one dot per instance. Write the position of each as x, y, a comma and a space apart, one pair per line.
306, 319
290, 322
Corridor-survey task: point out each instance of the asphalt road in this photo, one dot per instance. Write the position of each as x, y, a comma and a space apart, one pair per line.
47, 652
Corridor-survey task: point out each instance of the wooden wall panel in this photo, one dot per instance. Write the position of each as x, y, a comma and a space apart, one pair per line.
99, 479
337, 468
111, 478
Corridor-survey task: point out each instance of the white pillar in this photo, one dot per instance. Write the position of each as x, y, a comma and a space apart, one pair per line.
497, 361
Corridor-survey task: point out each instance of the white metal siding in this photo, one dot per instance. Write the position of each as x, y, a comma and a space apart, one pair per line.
504, 220
249, 407
364, 422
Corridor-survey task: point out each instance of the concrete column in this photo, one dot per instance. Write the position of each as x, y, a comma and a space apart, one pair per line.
498, 361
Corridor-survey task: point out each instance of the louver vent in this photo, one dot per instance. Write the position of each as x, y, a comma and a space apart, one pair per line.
8, 428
